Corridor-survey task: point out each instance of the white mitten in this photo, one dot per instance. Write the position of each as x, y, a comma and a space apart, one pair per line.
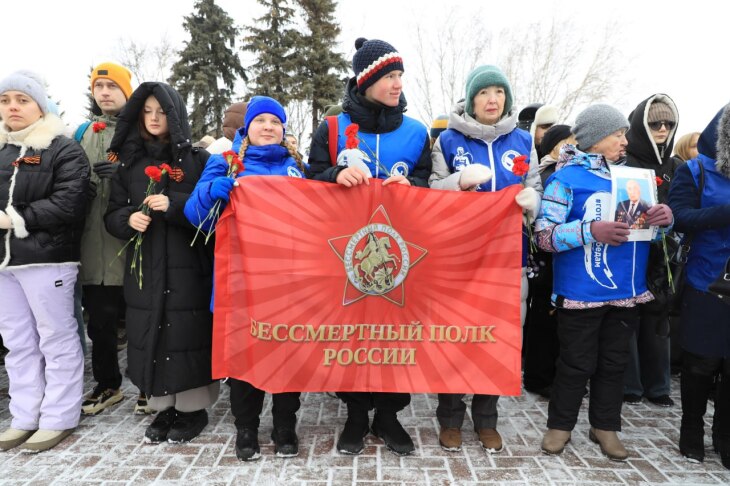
529, 200
355, 158
473, 175
5, 221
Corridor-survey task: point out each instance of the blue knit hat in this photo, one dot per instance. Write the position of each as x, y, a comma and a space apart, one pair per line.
29, 83
483, 77
263, 104
373, 60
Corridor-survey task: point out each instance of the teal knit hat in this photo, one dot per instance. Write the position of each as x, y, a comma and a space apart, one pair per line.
482, 77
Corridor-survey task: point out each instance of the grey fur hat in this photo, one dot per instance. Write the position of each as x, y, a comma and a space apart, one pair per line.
29, 83
596, 123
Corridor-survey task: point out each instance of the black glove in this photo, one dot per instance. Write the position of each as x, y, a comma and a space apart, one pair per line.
105, 169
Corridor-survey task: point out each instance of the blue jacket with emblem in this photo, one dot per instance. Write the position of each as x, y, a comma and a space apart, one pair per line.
586, 270
467, 141
400, 143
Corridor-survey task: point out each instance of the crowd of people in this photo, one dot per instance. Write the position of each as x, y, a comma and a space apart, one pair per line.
77, 212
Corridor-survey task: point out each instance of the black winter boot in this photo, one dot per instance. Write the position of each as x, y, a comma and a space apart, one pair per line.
356, 428
695, 390
187, 426
159, 428
247, 444
387, 427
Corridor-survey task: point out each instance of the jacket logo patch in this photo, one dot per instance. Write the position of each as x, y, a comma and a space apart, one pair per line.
58, 283
399, 168
293, 172
508, 159
461, 159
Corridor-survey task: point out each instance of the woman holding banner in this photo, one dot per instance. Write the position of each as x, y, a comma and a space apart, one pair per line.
476, 153
259, 149
375, 103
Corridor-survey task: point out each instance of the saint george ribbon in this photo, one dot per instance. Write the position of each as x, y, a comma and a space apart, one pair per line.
394, 289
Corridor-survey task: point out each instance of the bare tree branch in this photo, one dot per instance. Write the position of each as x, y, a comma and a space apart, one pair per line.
147, 62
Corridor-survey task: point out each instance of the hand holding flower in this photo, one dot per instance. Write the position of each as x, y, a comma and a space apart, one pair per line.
157, 202
139, 221
220, 188
529, 200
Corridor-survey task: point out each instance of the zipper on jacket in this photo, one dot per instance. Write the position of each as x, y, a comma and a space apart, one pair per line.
377, 155
491, 163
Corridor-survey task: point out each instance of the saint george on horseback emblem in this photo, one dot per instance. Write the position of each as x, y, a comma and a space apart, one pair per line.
376, 259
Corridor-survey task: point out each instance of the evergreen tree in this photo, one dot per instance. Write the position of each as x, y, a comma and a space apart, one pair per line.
92, 109
322, 67
275, 45
208, 65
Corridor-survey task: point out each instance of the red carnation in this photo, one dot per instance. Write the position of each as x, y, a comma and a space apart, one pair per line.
98, 126
153, 173
352, 142
234, 162
165, 168
520, 166
659, 181
351, 130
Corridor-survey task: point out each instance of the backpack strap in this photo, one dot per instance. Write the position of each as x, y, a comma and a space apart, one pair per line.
79, 133
332, 141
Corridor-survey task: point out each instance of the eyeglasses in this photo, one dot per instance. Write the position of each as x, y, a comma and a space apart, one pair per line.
657, 125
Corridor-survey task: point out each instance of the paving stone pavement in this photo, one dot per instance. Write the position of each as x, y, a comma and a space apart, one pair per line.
108, 449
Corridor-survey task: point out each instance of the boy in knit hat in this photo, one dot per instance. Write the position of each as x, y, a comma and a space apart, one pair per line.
596, 301
374, 100
102, 270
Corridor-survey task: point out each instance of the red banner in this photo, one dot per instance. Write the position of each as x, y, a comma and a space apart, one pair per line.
397, 289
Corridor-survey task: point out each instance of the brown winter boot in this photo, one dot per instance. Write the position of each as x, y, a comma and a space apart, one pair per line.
554, 441
610, 444
450, 439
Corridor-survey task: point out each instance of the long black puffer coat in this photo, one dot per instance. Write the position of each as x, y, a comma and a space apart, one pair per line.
169, 324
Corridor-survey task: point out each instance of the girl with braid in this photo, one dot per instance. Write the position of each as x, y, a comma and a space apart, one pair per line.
260, 145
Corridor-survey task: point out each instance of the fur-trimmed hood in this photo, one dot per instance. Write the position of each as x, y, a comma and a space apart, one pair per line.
40, 136
722, 144
641, 144
464, 123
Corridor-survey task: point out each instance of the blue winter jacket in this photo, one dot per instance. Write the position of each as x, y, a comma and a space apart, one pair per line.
584, 269
705, 217
258, 160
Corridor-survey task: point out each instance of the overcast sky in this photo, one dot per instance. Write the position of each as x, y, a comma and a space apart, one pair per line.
678, 51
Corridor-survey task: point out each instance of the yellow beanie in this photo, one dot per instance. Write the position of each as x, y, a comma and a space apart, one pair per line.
115, 72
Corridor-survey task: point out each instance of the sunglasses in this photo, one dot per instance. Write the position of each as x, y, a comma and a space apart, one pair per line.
657, 125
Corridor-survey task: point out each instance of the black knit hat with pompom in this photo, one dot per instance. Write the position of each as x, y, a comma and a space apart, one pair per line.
372, 60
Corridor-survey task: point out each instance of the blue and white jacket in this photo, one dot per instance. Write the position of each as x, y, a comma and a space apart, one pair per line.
466, 141
258, 160
577, 194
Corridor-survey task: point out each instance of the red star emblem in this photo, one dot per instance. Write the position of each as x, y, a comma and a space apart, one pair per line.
376, 259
